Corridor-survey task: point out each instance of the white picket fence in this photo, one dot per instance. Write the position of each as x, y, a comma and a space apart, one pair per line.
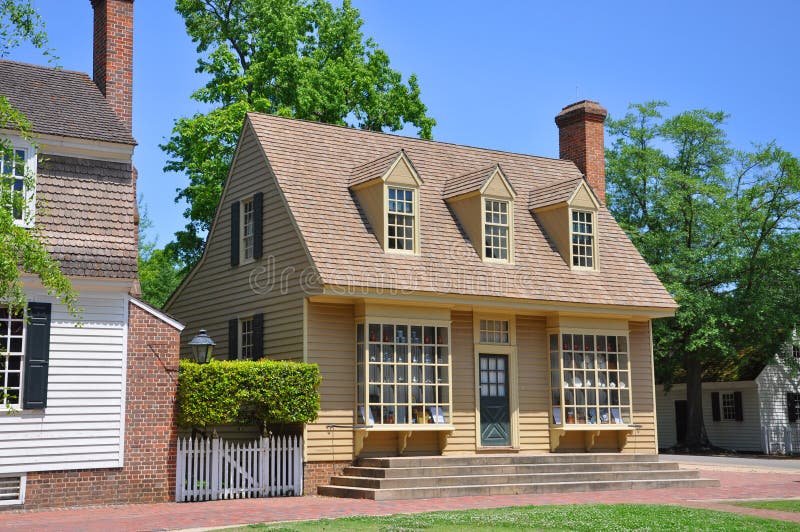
781, 439
212, 469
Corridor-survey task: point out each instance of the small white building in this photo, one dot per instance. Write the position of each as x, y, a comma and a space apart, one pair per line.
758, 412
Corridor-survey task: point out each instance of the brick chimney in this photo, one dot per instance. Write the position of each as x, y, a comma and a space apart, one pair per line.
113, 54
580, 140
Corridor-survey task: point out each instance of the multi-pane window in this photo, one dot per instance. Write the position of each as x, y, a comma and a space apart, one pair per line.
583, 239
12, 333
494, 331
246, 338
793, 407
12, 168
493, 376
589, 379
728, 406
496, 229
247, 229
796, 352
400, 220
403, 374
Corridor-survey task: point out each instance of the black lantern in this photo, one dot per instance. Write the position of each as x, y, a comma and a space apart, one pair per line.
202, 346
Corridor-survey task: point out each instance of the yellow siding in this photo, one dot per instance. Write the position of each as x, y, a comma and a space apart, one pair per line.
556, 225
642, 386
331, 344
217, 292
463, 388
583, 199
534, 435
468, 213
370, 198
497, 188
401, 175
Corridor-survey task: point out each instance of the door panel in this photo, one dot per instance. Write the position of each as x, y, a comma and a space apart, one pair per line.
494, 408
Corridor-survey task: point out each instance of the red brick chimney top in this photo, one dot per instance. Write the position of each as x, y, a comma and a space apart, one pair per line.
581, 140
113, 55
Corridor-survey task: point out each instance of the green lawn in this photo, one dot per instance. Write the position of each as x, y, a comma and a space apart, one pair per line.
791, 505
574, 517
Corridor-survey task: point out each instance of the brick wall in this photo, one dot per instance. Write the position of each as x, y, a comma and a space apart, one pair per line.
150, 431
113, 54
317, 474
581, 140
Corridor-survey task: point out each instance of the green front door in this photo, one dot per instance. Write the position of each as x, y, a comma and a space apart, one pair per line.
495, 412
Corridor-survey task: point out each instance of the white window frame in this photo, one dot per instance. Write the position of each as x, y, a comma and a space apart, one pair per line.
727, 406
20, 499
413, 215
5, 353
245, 333
485, 225
18, 143
247, 239
495, 331
592, 235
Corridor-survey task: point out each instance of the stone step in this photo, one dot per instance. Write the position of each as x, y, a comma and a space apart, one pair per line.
509, 489
506, 469
495, 479
504, 459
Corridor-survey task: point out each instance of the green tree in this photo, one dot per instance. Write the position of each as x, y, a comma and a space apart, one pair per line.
297, 58
22, 250
720, 228
159, 274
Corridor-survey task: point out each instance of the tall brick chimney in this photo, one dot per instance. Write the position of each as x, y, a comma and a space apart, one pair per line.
580, 140
113, 55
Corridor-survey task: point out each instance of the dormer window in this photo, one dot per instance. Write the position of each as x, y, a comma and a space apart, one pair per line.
400, 219
495, 229
483, 202
583, 239
247, 229
388, 191
568, 213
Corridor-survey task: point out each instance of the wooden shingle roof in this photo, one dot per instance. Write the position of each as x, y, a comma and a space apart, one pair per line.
553, 194
314, 166
469, 182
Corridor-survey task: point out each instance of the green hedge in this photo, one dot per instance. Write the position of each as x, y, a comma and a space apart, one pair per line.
244, 392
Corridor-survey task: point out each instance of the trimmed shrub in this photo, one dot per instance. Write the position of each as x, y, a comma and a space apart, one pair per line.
244, 392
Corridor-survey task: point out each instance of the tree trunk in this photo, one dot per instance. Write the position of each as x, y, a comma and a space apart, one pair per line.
696, 436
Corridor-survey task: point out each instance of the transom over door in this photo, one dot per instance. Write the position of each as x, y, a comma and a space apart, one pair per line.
494, 408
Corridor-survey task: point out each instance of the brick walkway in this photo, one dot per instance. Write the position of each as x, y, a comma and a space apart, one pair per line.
171, 516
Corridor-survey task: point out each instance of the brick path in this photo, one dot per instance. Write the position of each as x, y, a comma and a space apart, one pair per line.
171, 516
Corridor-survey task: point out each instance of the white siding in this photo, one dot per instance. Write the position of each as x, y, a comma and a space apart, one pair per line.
773, 384
83, 424
742, 435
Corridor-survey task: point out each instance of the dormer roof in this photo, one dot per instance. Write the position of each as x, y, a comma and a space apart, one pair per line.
562, 192
477, 181
383, 167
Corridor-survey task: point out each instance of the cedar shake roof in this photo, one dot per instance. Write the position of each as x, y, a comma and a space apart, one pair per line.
553, 194
313, 164
61, 102
470, 182
373, 169
86, 215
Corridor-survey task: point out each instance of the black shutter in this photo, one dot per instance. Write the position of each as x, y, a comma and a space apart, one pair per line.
715, 406
258, 336
737, 402
234, 233
791, 409
37, 356
233, 339
258, 225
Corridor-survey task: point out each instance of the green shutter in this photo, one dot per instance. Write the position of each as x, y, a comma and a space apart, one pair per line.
233, 339
234, 233
258, 225
715, 412
258, 336
37, 356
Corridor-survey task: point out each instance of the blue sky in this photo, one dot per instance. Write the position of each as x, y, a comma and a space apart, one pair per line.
494, 74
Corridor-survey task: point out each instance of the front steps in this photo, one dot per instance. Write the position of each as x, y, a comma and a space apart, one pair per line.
424, 477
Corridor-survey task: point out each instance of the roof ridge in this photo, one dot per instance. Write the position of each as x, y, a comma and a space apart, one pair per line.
415, 139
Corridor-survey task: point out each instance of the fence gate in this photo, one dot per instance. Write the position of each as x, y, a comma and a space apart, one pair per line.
781, 439
212, 469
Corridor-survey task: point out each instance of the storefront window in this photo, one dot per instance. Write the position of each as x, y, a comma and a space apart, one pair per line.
403, 374
589, 379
